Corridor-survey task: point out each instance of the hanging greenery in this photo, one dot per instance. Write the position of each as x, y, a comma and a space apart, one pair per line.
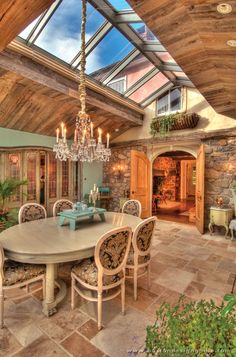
173, 121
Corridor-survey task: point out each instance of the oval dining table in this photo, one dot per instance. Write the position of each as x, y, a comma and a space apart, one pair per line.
44, 241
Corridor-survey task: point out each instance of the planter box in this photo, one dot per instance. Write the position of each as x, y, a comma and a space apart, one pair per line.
182, 121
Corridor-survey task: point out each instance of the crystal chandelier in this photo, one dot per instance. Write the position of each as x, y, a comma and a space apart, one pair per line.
84, 147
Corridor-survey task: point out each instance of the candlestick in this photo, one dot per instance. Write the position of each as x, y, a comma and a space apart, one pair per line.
75, 136
57, 131
62, 129
100, 135
65, 135
108, 137
94, 187
91, 130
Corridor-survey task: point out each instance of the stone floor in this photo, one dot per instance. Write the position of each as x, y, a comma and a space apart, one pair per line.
183, 262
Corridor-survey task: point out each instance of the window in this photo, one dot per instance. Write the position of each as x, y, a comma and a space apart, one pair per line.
169, 101
118, 84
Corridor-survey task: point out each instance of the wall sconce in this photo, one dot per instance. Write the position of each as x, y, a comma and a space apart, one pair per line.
118, 171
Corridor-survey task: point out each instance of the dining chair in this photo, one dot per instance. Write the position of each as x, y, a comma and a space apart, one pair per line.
31, 212
132, 207
139, 255
60, 205
15, 275
105, 272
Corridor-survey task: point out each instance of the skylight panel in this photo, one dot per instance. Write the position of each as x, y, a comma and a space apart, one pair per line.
112, 49
120, 5
61, 35
165, 57
143, 31
25, 33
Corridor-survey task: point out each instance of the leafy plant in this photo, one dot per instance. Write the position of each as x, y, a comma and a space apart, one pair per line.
9, 219
8, 188
193, 329
164, 123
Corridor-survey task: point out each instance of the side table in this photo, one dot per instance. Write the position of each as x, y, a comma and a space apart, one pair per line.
220, 217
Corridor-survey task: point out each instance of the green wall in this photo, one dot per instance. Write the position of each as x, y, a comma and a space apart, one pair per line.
9, 138
92, 173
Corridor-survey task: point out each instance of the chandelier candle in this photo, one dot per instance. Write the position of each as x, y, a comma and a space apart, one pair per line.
84, 147
94, 195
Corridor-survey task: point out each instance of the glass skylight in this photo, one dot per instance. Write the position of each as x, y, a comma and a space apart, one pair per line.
143, 31
113, 48
61, 36
120, 5
25, 33
165, 57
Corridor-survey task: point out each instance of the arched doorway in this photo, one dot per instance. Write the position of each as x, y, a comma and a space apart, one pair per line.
174, 185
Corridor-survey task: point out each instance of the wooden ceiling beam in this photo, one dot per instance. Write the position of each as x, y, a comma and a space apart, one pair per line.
16, 15
196, 36
55, 82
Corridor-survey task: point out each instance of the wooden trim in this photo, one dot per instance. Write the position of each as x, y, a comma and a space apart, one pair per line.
18, 47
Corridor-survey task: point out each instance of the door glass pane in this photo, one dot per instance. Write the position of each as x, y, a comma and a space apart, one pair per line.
52, 176
120, 5
31, 159
14, 171
61, 35
113, 48
65, 178
175, 99
25, 33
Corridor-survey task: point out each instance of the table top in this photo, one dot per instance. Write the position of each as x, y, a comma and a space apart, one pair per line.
90, 211
44, 241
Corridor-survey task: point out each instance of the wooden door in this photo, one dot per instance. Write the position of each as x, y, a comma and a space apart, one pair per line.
200, 176
140, 181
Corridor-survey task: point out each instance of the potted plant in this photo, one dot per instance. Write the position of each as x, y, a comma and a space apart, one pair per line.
8, 188
196, 329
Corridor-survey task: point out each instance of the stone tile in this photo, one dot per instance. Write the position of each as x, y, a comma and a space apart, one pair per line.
89, 329
42, 347
157, 289
168, 296
213, 294
194, 290
204, 264
145, 298
168, 260
175, 279
8, 343
63, 323
78, 346
128, 334
156, 266
231, 278
213, 280
227, 265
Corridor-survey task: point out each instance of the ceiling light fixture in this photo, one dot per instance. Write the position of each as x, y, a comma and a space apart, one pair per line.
224, 8
84, 147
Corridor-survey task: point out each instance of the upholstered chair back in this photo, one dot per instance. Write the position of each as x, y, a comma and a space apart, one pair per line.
112, 250
142, 237
31, 212
60, 205
132, 207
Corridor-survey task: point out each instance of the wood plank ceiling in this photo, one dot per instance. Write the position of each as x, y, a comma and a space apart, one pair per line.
15, 15
196, 35
34, 98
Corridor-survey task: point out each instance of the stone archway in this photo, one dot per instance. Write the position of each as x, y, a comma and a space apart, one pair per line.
155, 152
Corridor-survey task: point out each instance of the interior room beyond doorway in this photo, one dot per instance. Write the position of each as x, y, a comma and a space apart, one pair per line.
174, 186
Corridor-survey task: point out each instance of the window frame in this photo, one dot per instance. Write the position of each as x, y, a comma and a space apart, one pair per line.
181, 110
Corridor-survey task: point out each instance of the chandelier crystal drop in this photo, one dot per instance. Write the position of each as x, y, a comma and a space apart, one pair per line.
85, 147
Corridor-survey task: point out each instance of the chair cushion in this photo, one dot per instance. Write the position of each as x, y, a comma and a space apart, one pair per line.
88, 272
141, 258
15, 272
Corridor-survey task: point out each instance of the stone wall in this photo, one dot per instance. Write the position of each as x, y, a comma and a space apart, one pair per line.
220, 171
119, 184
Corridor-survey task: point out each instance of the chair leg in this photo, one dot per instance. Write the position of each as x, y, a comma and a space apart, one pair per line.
135, 283
1, 308
72, 293
99, 311
149, 276
44, 288
123, 297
